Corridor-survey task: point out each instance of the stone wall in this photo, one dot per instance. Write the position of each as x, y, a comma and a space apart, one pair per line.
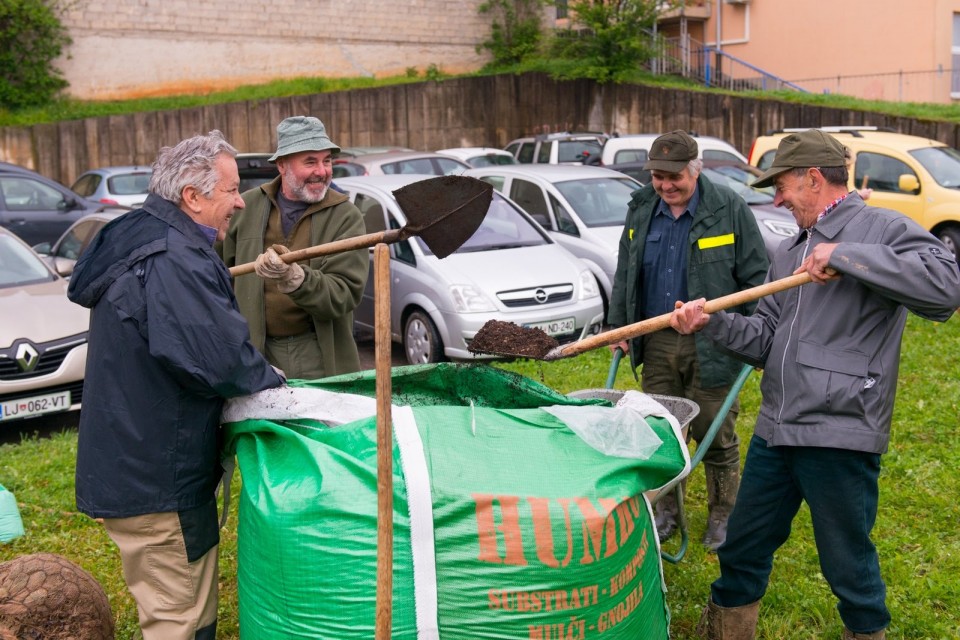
133, 48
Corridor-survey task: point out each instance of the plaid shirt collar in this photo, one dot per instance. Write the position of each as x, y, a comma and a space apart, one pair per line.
830, 207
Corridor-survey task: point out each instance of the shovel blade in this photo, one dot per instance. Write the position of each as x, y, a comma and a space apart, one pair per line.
445, 211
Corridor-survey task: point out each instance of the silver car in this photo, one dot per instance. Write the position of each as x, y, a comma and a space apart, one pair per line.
409, 162
583, 208
123, 186
509, 270
43, 336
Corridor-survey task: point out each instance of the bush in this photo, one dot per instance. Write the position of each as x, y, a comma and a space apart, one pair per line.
516, 32
31, 38
612, 39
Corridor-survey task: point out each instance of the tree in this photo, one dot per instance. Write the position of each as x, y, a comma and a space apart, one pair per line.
31, 38
516, 32
613, 39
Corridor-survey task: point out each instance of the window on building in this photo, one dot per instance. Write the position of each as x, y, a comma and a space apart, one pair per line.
562, 9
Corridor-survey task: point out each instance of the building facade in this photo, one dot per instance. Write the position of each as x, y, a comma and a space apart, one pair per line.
893, 51
137, 48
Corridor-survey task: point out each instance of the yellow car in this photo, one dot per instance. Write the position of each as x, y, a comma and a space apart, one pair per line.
916, 176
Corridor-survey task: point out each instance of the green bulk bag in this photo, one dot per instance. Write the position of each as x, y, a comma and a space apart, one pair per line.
508, 521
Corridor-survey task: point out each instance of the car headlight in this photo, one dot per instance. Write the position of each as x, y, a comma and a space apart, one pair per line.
469, 299
781, 227
588, 286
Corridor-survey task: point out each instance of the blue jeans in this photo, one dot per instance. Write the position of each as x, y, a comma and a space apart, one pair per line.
840, 488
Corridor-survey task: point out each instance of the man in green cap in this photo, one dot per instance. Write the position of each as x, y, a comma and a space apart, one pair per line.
300, 314
685, 238
830, 354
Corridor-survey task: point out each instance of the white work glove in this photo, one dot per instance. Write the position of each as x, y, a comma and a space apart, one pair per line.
269, 266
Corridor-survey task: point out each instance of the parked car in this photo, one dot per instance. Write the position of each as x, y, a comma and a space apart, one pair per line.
352, 152
343, 168
410, 162
918, 177
124, 186
480, 156
558, 148
583, 208
635, 148
509, 270
255, 169
63, 254
36, 208
43, 336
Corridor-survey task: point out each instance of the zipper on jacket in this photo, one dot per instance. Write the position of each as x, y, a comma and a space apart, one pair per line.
793, 323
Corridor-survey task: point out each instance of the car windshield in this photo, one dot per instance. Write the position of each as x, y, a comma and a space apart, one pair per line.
599, 202
578, 150
129, 184
491, 160
745, 191
19, 266
943, 163
504, 227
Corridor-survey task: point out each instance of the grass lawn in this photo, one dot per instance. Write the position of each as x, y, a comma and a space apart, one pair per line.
917, 530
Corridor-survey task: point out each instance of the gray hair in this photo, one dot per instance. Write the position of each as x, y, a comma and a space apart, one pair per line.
191, 163
694, 167
837, 176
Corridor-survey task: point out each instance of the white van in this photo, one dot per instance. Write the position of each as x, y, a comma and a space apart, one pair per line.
635, 147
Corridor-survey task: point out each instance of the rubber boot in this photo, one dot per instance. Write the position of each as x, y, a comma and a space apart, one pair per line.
729, 623
722, 486
876, 635
667, 514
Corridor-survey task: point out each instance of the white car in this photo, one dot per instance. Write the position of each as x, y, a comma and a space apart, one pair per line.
480, 156
509, 270
635, 147
583, 208
43, 336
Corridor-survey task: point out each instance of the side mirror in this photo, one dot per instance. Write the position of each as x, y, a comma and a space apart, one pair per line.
69, 203
43, 248
908, 183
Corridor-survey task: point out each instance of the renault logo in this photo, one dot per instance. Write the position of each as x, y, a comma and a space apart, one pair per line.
27, 357
540, 296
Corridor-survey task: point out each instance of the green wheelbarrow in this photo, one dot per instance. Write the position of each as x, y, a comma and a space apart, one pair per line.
682, 410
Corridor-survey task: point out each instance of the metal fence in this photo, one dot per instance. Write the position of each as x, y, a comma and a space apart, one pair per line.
937, 85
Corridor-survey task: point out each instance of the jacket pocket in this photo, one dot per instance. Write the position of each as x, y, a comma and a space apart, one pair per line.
835, 378
710, 253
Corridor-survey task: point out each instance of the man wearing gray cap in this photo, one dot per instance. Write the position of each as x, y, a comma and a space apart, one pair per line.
830, 353
300, 314
685, 238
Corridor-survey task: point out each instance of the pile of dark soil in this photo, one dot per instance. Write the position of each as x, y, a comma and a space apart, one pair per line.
508, 339
44, 596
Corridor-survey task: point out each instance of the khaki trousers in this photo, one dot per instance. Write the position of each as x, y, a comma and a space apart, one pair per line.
176, 599
299, 357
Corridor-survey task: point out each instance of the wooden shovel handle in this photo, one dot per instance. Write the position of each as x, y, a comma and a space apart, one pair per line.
326, 249
656, 323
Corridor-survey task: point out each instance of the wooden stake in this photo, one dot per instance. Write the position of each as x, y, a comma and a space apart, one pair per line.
382, 353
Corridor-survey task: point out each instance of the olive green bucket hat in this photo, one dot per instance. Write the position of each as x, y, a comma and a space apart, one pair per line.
672, 152
302, 133
810, 148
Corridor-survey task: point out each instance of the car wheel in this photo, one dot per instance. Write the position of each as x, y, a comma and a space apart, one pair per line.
950, 237
421, 340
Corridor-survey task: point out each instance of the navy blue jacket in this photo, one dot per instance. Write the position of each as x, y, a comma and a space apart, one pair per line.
167, 346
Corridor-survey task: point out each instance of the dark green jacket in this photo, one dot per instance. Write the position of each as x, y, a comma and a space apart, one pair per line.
332, 285
726, 254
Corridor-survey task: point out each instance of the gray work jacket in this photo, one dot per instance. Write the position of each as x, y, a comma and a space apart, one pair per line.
830, 353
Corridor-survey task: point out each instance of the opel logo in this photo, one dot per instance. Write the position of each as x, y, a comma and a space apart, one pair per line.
540, 296
27, 357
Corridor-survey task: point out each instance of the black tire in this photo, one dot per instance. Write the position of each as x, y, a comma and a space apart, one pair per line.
950, 237
421, 340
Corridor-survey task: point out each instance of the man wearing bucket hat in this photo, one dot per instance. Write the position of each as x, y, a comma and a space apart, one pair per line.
300, 314
685, 238
830, 353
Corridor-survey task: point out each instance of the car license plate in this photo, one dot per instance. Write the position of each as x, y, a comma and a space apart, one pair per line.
35, 406
554, 327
